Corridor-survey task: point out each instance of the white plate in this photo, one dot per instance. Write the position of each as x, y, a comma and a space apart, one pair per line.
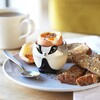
46, 82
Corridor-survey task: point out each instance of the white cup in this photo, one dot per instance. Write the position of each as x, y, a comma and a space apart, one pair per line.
14, 28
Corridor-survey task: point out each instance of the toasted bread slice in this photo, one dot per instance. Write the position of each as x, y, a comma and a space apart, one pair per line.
77, 48
70, 76
87, 79
91, 63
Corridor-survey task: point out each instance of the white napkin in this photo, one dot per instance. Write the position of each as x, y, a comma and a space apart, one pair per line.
94, 43
90, 94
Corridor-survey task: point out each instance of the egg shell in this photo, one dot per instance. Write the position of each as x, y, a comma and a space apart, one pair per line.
50, 42
26, 51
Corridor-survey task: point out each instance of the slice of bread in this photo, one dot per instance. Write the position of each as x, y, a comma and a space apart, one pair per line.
87, 79
70, 76
91, 63
77, 48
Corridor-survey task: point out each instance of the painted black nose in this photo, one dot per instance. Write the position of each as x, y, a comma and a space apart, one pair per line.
45, 67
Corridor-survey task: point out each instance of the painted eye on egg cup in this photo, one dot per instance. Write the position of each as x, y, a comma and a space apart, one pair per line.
50, 59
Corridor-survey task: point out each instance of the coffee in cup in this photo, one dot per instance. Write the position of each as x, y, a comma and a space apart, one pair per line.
15, 26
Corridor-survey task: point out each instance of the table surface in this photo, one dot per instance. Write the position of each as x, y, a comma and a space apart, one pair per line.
10, 90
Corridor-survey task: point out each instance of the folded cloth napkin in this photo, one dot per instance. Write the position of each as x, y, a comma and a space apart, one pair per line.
90, 94
94, 43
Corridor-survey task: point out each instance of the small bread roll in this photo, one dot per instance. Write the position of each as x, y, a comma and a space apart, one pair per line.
50, 38
26, 53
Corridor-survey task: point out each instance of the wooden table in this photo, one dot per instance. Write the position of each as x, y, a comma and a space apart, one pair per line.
10, 90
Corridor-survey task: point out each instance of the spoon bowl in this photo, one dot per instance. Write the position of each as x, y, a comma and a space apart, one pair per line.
30, 74
24, 73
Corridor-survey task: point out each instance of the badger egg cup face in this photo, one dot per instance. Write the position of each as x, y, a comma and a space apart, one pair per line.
50, 59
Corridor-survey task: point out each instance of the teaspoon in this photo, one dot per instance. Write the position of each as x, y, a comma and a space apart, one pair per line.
24, 73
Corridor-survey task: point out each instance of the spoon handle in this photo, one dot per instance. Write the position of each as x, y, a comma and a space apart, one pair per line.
8, 55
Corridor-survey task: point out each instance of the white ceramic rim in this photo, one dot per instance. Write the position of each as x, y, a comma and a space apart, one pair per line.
49, 88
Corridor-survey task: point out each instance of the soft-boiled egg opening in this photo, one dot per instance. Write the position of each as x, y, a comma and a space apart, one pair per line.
50, 38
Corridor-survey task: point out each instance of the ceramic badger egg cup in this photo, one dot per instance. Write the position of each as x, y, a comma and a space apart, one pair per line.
50, 59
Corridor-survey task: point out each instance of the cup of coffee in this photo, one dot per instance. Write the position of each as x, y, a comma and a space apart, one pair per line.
15, 26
